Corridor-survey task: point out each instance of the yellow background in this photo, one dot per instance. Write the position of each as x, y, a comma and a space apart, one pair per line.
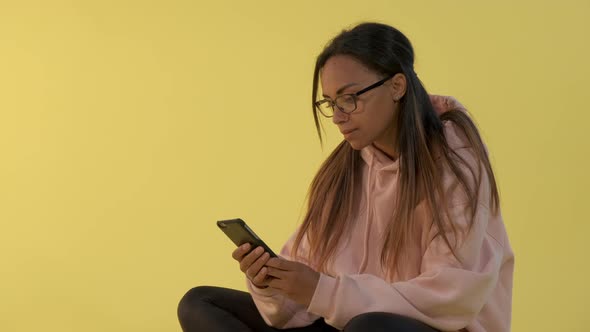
127, 128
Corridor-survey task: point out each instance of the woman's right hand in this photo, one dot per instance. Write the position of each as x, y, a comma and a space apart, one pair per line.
252, 264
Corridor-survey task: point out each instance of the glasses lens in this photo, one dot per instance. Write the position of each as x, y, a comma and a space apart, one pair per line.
346, 103
325, 108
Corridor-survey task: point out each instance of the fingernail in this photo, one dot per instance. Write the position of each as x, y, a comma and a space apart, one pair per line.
245, 246
259, 250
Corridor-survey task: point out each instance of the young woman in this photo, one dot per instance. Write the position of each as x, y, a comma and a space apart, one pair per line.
403, 230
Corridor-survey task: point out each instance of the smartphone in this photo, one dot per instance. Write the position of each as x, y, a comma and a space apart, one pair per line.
240, 233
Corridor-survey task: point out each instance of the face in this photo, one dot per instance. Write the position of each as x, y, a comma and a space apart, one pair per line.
373, 120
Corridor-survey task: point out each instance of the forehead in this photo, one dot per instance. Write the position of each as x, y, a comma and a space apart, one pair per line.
343, 69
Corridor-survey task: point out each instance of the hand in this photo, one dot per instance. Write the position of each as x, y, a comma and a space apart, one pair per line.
444, 104
296, 280
439, 103
252, 264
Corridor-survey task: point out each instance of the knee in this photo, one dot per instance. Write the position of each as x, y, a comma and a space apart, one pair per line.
190, 302
383, 321
363, 322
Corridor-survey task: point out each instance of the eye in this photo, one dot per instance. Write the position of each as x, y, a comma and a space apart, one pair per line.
346, 100
346, 103
325, 107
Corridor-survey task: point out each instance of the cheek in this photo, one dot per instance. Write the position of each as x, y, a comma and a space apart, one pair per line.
374, 120
379, 117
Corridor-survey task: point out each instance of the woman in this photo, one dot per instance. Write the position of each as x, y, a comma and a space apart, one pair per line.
403, 230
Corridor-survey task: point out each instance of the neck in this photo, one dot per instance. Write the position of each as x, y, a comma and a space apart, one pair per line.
387, 149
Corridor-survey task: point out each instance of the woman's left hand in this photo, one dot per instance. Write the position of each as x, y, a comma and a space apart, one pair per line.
296, 280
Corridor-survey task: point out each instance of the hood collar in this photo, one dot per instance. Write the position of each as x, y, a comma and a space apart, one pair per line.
378, 160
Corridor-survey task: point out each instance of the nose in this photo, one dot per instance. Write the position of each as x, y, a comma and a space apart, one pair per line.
339, 116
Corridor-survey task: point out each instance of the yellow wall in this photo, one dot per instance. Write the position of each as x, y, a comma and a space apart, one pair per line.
127, 128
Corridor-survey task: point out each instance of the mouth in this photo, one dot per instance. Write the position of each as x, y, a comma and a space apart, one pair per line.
346, 132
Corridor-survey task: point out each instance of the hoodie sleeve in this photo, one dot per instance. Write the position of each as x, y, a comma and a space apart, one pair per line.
448, 293
276, 309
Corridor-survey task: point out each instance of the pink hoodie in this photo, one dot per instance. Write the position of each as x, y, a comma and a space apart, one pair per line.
472, 295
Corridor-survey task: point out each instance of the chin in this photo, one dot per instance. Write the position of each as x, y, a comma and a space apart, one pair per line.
357, 145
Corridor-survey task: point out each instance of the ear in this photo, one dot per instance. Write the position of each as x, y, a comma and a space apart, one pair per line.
398, 86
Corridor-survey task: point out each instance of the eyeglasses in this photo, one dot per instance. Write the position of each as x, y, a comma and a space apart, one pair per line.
346, 103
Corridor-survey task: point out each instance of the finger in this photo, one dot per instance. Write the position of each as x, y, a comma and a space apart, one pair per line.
280, 274
281, 264
259, 279
240, 251
250, 258
257, 265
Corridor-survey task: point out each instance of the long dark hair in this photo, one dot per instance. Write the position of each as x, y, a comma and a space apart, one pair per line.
420, 142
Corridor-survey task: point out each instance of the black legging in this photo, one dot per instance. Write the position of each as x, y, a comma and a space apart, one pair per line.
215, 309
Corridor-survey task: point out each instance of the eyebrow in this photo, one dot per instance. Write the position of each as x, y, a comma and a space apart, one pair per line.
342, 89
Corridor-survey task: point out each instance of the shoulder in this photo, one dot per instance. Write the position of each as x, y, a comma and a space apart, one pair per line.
465, 156
455, 135
451, 112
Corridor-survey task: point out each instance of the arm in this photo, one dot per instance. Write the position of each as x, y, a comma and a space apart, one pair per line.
447, 294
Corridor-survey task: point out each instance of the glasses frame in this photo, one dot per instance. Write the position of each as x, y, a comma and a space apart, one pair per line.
354, 96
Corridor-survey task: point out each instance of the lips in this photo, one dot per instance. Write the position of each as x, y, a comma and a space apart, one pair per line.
348, 131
